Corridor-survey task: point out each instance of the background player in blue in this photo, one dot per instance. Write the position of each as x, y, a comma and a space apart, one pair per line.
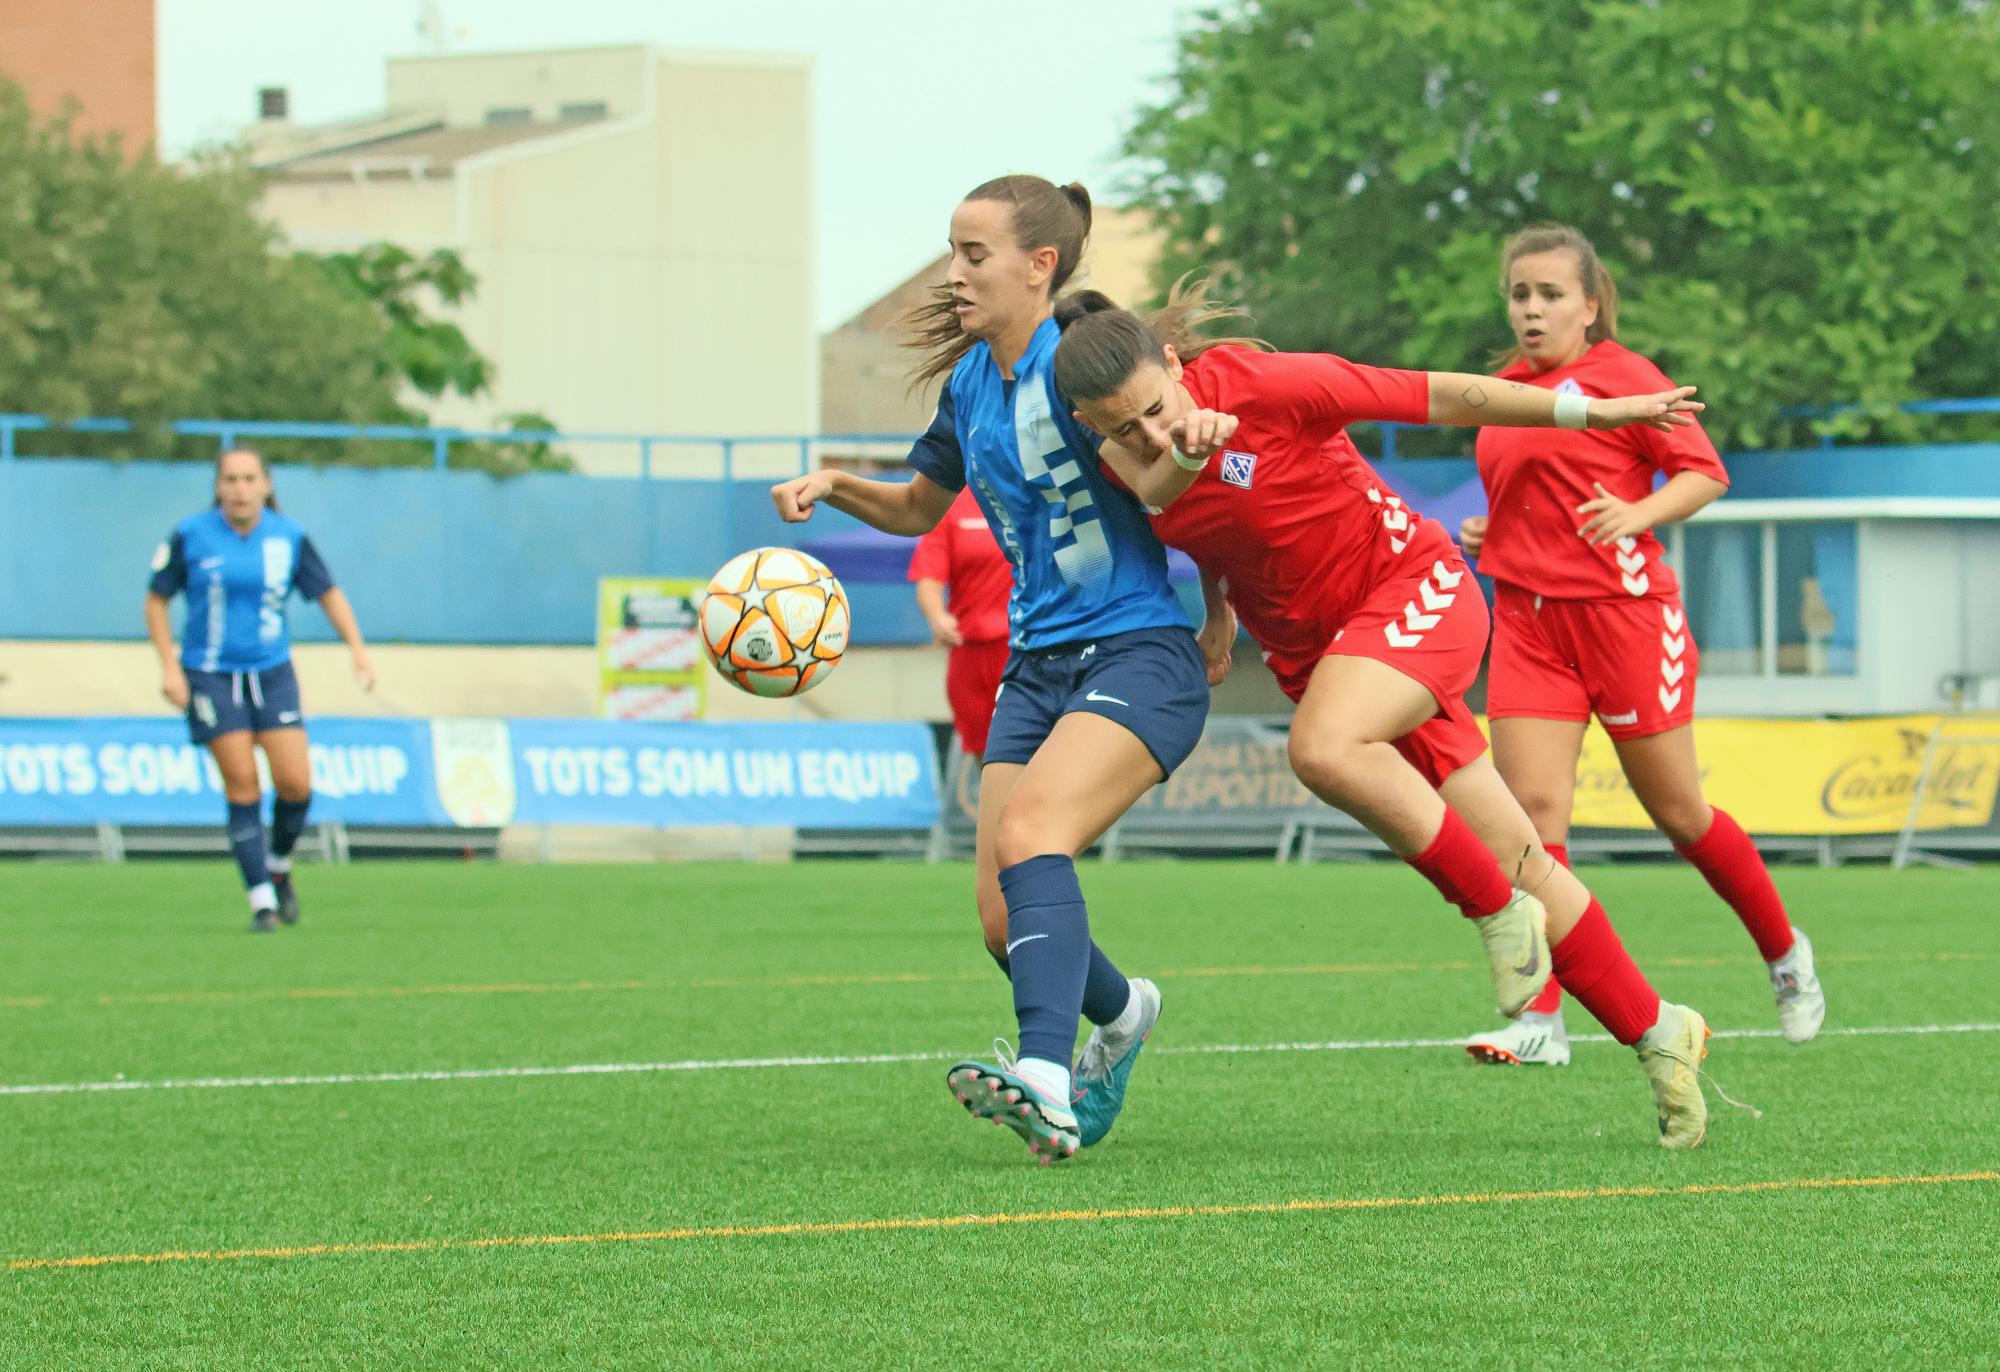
1104, 693
238, 562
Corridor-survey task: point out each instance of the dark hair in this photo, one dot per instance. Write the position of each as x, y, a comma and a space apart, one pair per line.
270, 497
1045, 215
1103, 345
1596, 277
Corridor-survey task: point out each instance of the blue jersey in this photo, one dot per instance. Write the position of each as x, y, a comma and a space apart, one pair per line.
1086, 563
236, 588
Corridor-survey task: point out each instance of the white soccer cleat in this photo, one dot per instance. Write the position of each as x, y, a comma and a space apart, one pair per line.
1671, 1053
1517, 945
1533, 1040
1801, 1004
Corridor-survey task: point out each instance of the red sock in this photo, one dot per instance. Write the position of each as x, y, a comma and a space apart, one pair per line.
1735, 869
1551, 998
1592, 965
1462, 869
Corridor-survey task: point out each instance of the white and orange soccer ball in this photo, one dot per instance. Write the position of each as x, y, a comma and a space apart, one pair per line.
774, 621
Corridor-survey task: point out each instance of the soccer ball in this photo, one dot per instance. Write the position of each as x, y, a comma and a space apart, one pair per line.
774, 621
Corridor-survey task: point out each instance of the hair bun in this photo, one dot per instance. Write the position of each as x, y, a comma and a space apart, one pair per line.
1077, 304
1075, 193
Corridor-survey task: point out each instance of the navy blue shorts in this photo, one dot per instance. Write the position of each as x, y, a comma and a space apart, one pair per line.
230, 702
1152, 681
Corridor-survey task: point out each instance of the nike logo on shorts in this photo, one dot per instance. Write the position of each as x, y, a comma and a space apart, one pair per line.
1108, 700
1019, 941
289, 717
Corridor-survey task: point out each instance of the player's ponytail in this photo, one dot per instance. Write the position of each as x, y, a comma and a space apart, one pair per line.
1103, 345
1045, 215
271, 496
1590, 270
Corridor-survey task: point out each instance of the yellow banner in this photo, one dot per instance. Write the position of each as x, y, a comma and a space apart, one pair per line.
1813, 776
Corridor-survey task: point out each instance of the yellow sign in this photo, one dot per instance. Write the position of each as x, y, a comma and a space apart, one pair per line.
649, 658
1816, 776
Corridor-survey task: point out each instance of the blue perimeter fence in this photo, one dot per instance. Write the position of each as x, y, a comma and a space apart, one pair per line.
442, 555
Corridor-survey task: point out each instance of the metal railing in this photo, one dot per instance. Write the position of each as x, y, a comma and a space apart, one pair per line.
228, 433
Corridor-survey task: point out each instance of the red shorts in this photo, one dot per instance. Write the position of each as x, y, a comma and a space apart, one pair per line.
1432, 628
1629, 662
971, 681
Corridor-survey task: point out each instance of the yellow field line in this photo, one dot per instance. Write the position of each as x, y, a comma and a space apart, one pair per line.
826, 1227
504, 988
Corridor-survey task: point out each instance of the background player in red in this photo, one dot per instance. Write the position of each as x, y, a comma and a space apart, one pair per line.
961, 558
1371, 622
1589, 616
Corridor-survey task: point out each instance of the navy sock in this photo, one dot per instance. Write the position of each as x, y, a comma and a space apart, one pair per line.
1048, 952
246, 839
1105, 989
288, 821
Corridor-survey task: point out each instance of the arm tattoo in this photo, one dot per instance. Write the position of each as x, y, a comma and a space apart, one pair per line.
1475, 396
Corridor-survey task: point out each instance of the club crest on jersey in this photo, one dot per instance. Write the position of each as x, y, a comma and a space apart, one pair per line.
1238, 468
1568, 386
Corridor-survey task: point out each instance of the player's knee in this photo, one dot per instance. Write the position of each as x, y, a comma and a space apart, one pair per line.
1326, 764
1683, 821
1029, 827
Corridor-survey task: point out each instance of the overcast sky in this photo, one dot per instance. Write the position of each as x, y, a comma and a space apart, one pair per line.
916, 100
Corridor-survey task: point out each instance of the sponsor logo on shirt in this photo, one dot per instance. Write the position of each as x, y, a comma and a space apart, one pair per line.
1238, 468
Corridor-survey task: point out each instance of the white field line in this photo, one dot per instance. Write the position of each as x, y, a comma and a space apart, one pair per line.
612, 1069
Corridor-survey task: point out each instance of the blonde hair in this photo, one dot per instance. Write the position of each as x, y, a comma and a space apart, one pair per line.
1595, 276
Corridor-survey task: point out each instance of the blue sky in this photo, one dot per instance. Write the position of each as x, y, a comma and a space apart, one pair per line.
916, 100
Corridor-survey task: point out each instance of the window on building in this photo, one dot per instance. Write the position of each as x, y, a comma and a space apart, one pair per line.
1771, 599
584, 109
510, 114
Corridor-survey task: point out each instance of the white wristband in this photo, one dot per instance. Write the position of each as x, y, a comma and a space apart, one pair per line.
1186, 463
1572, 411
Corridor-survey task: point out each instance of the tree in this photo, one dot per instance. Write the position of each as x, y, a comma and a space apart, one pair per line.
1795, 198
141, 291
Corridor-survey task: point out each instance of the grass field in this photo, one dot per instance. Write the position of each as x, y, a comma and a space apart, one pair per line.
1299, 1199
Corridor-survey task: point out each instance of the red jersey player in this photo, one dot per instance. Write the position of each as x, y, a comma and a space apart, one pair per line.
1589, 617
960, 557
1372, 623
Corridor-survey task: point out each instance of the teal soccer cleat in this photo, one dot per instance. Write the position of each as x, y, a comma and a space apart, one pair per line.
997, 1093
1106, 1068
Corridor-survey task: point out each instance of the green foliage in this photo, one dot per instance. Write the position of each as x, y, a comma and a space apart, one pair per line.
1795, 199
151, 292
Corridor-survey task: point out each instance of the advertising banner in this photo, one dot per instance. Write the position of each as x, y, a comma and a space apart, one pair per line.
487, 773
144, 771
649, 658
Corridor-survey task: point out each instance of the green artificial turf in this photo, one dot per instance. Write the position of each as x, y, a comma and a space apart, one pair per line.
146, 971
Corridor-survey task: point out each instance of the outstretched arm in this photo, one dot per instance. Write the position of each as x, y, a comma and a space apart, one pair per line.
895, 507
1465, 399
1162, 479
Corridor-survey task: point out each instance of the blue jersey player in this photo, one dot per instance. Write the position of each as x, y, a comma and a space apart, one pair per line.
1104, 693
237, 563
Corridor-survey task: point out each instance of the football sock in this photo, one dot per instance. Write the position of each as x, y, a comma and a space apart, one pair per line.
246, 840
1048, 953
1733, 867
1592, 965
1462, 869
288, 821
1551, 998
1104, 987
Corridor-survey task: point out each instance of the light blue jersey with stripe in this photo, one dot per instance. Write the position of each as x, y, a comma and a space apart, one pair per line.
1086, 563
237, 585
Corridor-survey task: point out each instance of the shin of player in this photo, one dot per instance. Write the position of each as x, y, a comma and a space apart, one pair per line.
1589, 616
232, 675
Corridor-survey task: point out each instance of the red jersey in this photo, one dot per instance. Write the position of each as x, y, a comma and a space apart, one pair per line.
1535, 479
1291, 517
977, 576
